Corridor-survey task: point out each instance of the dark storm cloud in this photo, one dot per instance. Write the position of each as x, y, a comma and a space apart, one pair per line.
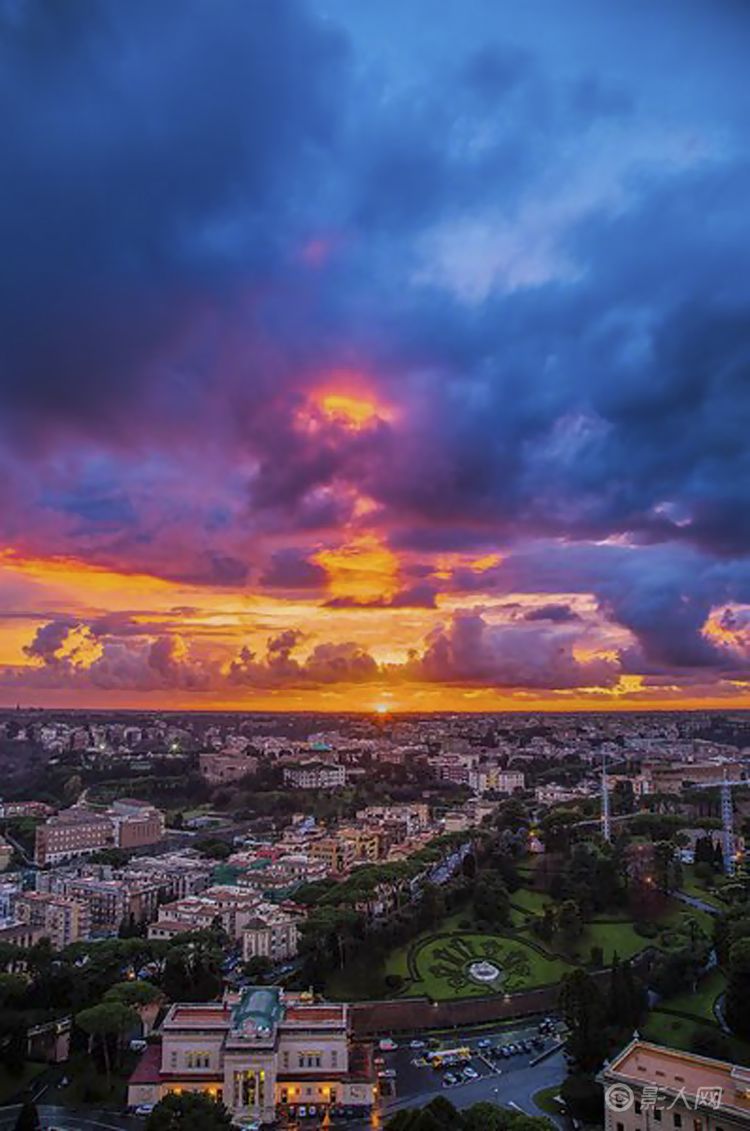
291, 569
147, 153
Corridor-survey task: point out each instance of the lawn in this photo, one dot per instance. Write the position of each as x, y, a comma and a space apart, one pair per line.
545, 1100
692, 886
534, 902
701, 1003
664, 1027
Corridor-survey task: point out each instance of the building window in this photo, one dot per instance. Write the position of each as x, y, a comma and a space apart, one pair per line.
677, 1119
637, 1107
620, 1127
657, 1114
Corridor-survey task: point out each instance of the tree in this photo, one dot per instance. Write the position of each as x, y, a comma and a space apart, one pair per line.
28, 1117
583, 1098
188, 1111
106, 1020
738, 988
134, 993
583, 1009
491, 900
570, 921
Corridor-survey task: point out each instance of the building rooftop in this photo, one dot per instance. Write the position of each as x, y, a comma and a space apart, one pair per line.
259, 1009
674, 1071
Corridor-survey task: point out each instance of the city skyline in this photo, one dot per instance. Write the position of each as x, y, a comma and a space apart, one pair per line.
355, 359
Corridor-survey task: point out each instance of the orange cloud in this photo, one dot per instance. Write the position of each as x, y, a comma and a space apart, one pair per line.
362, 570
345, 401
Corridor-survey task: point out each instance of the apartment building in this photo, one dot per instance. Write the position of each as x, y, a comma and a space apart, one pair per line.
232, 907
127, 824
314, 775
494, 779
110, 901
338, 854
368, 843
454, 767
414, 818
55, 917
652, 1088
70, 833
271, 933
9, 809
264, 1052
177, 874
136, 823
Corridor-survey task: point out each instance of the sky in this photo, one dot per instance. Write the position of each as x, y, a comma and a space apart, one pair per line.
375, 356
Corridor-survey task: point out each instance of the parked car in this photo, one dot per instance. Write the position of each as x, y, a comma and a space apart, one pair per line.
470, 1073
144, 1109
417, 1044
484, 1043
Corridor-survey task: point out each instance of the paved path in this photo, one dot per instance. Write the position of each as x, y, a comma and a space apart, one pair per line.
698, 904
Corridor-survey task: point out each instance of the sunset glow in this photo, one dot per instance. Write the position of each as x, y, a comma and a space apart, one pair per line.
373, 384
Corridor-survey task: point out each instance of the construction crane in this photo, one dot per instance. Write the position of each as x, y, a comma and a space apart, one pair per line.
606, 813
606, 822
727, 818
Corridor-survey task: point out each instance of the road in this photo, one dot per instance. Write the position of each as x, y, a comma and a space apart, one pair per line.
64, 1118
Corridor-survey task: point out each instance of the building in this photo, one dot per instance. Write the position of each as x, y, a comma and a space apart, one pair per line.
136, 823
493, 779
73, 832
10, 809
127, 824
315, 775
337, 853
6, 854
664, 1088
110, 901
55, 917
453, 767
272, 933
226, 765
231, 907
177, 873
675, 776
368, 843
264, 1052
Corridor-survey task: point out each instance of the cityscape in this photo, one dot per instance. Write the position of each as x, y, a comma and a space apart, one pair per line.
375, 565
372, 921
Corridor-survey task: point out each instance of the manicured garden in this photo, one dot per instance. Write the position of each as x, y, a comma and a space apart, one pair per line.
437, 963
440, 967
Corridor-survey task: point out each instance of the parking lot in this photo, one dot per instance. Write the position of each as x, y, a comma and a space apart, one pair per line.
506, 1065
